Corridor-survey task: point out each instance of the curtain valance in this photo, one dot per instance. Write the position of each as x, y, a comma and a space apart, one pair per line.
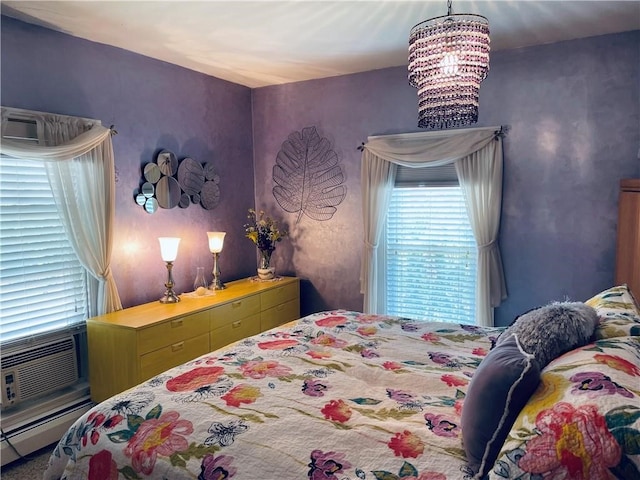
80, 145
432, 148
91, 135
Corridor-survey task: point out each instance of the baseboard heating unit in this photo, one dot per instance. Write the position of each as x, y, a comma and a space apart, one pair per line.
34, 427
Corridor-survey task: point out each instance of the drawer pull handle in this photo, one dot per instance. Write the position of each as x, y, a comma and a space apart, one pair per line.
280, 307
177, 346
176, 323
236, 304
236, 324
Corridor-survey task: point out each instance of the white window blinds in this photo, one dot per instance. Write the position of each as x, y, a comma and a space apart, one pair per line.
42, 283
431, 253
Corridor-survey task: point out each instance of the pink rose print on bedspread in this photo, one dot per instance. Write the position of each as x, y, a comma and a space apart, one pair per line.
453, 380
267, 368
481, 352
431, 337
333, 321
337, 410
194, 379
328, 340
618, 363
367, 330
242, 393
96, 421
164, 435
318, 354
102, 466
393, 366
573, 443
278, 344
368, 318
406, 444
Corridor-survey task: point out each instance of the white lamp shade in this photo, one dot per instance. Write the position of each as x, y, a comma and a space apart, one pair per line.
169, 248
216, 240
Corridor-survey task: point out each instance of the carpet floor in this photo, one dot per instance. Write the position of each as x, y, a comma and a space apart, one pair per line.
32, 467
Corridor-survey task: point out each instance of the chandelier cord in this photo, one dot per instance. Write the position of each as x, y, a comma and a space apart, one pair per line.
449, 7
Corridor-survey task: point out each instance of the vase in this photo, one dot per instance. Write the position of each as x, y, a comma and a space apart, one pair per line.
265, 270
200, 281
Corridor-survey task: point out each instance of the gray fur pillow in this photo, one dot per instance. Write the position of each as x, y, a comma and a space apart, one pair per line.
548, 332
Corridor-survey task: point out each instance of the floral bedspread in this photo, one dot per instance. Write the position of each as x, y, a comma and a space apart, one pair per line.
583, 422
335, 395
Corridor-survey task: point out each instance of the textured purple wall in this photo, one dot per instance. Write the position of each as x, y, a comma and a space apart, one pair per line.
154, 106
573, 109
574, 114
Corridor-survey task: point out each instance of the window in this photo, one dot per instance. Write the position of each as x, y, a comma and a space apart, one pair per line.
42, 283
479, 162
430, 253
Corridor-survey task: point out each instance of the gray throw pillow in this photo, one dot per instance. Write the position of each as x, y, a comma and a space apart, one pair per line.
498, 390
549, 331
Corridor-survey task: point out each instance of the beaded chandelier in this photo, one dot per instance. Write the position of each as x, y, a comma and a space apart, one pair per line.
448, 59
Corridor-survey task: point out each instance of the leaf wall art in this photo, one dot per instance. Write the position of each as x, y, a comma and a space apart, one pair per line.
308, 178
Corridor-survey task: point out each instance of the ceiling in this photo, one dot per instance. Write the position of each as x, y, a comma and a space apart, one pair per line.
260, 43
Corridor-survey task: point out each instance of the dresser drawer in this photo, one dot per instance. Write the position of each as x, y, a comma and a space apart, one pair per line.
233, 331
230, 312
278, 295
280, 314
170, 356
172, 331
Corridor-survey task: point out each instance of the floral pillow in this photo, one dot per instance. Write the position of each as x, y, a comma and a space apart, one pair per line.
583, 421
618, 311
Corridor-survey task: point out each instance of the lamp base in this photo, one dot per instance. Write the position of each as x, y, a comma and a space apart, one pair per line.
217, 285
169, 297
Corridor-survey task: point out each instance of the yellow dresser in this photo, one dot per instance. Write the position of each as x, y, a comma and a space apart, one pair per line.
132, 345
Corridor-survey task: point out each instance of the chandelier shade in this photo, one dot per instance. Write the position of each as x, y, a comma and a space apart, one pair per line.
448, 59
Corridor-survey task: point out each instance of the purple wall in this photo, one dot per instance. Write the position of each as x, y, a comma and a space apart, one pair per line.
573, 109
154, 106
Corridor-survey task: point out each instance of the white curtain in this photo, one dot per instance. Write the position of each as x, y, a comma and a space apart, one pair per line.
481, 185
79, 159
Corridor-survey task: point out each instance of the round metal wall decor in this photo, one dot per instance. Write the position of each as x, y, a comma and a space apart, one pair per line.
169, 183
167, 162
190, 176
152, 172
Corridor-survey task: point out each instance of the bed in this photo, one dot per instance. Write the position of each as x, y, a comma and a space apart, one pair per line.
345, 395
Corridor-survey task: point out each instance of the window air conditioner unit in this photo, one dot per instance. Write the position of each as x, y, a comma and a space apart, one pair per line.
36, 370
